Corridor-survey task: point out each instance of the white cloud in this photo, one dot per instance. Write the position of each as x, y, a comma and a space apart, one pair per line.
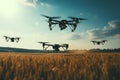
95, 33
34, 3
82, 40
31, 3
112, 30
45, 4
75, 37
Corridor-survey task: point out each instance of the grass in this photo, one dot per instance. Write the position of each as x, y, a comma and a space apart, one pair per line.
63, 66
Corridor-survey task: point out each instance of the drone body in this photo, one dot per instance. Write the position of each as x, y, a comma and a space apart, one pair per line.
63, 24
99, 42
56, 47
12, 39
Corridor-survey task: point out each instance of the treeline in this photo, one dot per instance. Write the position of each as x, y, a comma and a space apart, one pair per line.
105, 50
9, 49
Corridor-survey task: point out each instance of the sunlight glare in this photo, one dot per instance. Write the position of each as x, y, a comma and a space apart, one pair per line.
8, 8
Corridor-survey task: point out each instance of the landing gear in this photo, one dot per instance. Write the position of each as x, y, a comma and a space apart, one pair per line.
72, 30
50, 27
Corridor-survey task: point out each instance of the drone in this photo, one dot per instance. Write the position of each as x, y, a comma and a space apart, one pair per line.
12, 39
56, 47
99, 42
63, 24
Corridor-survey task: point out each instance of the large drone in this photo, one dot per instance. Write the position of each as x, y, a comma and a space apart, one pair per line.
99, 42
56, 47
72, 23
12, 39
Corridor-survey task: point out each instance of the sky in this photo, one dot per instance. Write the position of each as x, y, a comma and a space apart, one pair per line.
23, 18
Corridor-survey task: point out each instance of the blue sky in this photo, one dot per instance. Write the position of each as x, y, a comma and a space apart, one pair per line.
23, 18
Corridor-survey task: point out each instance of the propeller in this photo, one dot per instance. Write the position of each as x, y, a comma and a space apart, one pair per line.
5, 36
51, 17
77, 18
64, 44
18, 37
104, 40
43, 42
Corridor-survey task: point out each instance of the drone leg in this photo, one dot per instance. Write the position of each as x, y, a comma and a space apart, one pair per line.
60, 28
43, 48
7, 39
17, 40
46, 47
50, 27
72, 30
63, 27
56, 49
75, 25
64, 48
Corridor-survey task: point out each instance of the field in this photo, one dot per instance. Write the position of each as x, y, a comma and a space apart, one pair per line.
60, 66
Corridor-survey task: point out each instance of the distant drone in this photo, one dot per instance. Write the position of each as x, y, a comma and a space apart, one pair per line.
56, 47
99, 42
12, 39
64, 23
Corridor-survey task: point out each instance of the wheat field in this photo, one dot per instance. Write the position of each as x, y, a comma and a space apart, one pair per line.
60, 66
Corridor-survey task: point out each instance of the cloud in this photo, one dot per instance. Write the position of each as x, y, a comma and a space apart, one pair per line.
112, 30
45, 4
95, 33
75, 37
31, 3
34, 3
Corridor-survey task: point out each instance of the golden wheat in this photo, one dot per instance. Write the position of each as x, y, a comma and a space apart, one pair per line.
64, 66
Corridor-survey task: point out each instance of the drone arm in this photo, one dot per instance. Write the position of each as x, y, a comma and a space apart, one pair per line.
6, 38
56, 21
52, 23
